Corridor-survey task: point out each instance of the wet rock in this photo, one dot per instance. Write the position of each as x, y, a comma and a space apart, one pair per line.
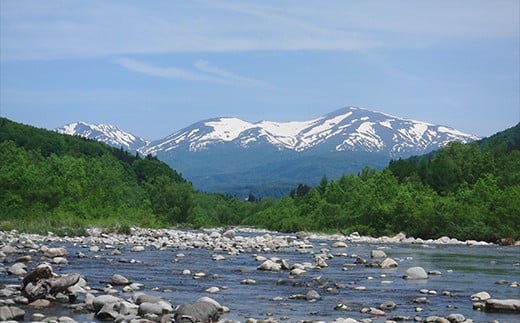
54, 252
150, 308
26, 258
200, 311
415, 273
339, 244
436, 319
137, 249
11, 313
119, 280
378, 254
388, 306
127, 308
373, 311
18, 269
218, 257
298, 272
480, 296
503, 305
456, 318
388, 263
60, 261
230, 234
213, 290
270, 265
40, 303
248, 282
107, 312
100, 301
140, 298
312, 295
8, 249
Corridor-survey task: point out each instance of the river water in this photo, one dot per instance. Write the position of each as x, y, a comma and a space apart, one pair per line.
464, 271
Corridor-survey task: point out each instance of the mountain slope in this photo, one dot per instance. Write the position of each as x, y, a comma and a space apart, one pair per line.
347, 129
108, 134
233, 156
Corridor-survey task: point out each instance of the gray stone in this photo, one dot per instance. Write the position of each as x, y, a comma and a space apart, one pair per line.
270, 265
100, 301
312, 295
119, 280
11, 313
55, 252
378, 254
503, 305
415, 273
388, 263
230, 234
388, 306
150, 308
127, 308
480, 296
200, 311
107, 312
456, 318
339, 244
18, 269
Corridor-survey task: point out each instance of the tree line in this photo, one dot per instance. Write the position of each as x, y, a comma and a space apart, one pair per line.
466, 191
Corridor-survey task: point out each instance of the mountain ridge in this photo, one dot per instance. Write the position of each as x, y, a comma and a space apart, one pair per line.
230, 155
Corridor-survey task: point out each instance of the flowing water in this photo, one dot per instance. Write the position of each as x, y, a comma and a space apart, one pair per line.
464, 271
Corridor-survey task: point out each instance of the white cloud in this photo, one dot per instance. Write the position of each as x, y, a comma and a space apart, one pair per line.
56, 29
207, 73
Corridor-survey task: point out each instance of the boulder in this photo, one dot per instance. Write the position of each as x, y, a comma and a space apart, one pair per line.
200, 311
503, 305
388, 263
270, 265
230, 234
119, 280
55, 252
312, 295
339, 244
415, 273
480, 296
11, 313
378, 254
100, 301
18, 269
456, 318
107, 312
388, 306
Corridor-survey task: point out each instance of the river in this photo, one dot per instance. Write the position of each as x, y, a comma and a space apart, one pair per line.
464, 271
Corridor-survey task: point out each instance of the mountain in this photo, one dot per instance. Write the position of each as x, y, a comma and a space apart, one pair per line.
238, 157
108, 134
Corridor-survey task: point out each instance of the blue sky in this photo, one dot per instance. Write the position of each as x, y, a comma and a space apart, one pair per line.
154, 67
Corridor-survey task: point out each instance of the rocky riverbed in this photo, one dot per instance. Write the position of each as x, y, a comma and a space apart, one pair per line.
247, 275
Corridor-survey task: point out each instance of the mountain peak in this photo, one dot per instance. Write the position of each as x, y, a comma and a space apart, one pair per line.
346, 129
106, 133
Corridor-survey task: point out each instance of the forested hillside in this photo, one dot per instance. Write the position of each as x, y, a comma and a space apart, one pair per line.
467, 191
55, 182
50, 181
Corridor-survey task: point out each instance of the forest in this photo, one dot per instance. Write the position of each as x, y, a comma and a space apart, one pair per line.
64, 184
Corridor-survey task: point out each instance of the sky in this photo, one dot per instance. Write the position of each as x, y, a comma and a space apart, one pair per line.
154, 67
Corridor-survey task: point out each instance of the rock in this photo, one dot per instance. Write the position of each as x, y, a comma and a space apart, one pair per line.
119, 280
200, 311
60, 261
415, 273
480, 296
502, 305
388, 263
7, 249
456, 318
212, 290
11, 313
218, 257
312, 295
230, 234
100, 301
127, 308
40, 303
248, 282
339, 244
137, 249
107, 312
55, 252
298, 272
270, 265
94, 249
373, 311
140, 298
18, 269
26, 258
388, 306
151, 308
378, 254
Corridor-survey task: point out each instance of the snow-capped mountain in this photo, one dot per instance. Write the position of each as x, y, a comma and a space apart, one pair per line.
108, 134
347, 129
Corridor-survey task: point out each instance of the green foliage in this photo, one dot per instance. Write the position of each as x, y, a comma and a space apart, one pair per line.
53, 182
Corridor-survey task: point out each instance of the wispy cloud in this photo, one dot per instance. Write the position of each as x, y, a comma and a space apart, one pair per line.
56, 29
203, 72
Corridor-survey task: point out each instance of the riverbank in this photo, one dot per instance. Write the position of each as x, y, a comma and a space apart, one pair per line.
254, 274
